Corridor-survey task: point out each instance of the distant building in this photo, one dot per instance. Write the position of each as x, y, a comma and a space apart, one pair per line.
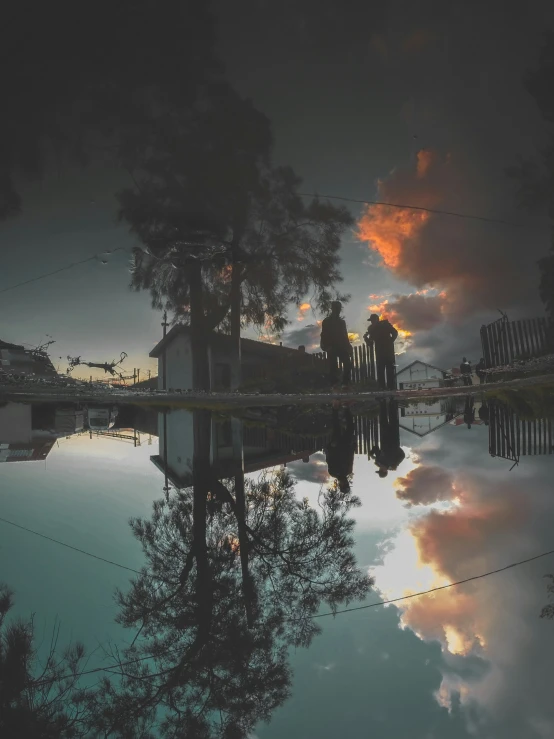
17, 360
420, 376
28, 432
174, 355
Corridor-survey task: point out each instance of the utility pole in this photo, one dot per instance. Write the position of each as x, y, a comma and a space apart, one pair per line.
138, 375
164, 371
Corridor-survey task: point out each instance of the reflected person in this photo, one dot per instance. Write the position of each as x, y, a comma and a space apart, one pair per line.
341, 449
389, 454
469, 411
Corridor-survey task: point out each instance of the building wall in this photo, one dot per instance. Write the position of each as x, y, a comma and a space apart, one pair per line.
423, 409
178, 358
419, 375
16, 425
179, 440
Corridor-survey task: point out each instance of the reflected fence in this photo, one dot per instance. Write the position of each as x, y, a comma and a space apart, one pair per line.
512, 437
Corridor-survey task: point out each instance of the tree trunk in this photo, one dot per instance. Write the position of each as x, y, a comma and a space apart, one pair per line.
198, 330
201, 471
236, 309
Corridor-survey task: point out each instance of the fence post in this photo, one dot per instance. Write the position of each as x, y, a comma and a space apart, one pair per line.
372, 361
485, 346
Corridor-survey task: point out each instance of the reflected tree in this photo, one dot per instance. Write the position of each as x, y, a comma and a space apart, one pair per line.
219, 635
39, 697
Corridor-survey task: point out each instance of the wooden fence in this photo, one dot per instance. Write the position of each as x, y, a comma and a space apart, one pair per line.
504, 341
363, 363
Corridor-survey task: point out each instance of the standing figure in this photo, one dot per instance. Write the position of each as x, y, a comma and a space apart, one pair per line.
383, 335
469, 411
340, 452
480, 370
465, 369
389, 454
334, 341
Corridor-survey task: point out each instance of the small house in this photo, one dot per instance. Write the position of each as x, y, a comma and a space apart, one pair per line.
420, 376
427, 416
174, 355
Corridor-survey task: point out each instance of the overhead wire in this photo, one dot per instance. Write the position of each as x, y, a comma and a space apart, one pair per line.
404, 206
69, 546
111, 668
61, 269
401, 206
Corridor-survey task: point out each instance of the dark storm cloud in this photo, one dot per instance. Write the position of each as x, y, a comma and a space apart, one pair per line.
477, 266
308, 336
416, 312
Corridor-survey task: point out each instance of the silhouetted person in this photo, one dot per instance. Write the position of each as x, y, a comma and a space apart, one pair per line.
484, 413
480, 370
334, 341
340, 452
469, 412
465, 369
389, 454
383, 335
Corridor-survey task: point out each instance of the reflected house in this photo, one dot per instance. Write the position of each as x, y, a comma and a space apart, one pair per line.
28, 432
261, 445
258, 359
421, 376
17, 360
427, 416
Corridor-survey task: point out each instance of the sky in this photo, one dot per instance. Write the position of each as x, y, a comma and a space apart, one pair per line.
372, 101
468, 661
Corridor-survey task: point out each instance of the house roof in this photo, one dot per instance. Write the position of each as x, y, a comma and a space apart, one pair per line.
7, 345
419, 361
248, 346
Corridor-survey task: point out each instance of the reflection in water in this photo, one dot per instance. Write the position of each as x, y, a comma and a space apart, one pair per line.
389, 454
235, 570
236, 565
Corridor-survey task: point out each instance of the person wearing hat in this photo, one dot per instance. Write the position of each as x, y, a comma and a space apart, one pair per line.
382, 335
334, 341
341, 449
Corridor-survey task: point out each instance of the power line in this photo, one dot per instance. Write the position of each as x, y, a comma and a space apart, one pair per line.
61, 269
441, 587
320, 615
414, 207
69, 546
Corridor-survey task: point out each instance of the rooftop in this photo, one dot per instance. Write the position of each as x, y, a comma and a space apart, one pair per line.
248, 346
